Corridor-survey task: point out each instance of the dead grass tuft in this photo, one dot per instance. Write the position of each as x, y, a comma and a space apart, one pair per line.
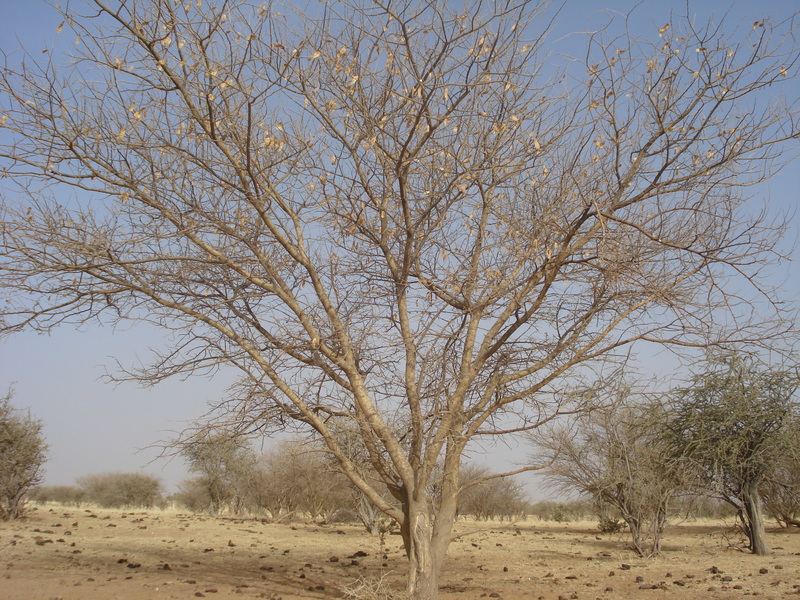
372, 588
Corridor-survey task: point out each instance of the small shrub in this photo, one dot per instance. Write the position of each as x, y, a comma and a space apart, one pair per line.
610, 525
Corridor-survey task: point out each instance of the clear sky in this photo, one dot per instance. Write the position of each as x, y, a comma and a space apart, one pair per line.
95, 427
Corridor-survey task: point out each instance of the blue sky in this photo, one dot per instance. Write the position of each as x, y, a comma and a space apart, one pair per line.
93, 426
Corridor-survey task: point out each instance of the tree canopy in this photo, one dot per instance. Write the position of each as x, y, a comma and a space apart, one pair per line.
734, 423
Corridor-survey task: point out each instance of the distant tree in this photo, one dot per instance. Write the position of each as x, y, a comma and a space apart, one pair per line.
615, 456
224, 464
23, 452
299, 478
61, 494
193, 495
486, 496
121, 490
733, 423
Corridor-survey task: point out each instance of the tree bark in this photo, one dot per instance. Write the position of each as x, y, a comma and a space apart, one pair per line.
426, 544
751, 499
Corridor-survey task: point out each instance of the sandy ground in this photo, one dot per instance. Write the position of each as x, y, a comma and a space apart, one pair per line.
92, 554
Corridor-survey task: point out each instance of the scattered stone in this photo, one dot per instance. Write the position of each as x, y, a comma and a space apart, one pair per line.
208, 550
639, 579
133, 565
625, 567
334, 559
231, 544
763, 570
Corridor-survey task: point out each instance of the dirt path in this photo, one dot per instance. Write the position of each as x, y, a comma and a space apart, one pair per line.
78, 554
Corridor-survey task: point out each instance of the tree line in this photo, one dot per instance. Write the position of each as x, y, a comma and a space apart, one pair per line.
730, 434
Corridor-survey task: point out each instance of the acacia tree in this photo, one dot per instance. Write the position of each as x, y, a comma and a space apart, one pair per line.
394, 214
224, 465
23, 452
616, 455
781, 489
734, 423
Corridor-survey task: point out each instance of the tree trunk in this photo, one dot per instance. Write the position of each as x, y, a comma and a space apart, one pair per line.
633, 525
426, 545
755, 519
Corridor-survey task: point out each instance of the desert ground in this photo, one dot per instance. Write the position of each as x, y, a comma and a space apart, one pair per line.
59, 553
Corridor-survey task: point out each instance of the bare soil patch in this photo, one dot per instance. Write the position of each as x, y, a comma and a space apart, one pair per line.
92, 554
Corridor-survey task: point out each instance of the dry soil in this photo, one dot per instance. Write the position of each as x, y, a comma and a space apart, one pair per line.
93, 554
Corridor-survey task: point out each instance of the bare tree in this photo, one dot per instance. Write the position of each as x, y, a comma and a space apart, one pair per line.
23, 452
224, 465
487, 497
733, 423
121, 490
298, 477
395, 214
615, 455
